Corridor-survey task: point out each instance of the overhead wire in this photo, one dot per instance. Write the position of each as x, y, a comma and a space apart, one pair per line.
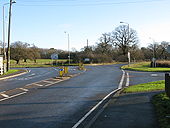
81, 3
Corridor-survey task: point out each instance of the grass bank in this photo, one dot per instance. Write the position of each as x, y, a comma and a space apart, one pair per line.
144, 66
11, 71
146, 87
162, 108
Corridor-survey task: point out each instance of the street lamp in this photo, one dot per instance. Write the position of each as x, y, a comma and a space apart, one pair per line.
128, 39
68, 37
154, 53
9, 29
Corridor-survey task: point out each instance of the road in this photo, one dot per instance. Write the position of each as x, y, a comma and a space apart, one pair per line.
63, 104
33, 75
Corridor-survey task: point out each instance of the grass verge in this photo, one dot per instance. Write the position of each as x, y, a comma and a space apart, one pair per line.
144, 66
146, 87
162, 107
11, 71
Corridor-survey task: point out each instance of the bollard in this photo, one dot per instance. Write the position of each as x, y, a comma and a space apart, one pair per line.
61, 72
167, 84
65, 70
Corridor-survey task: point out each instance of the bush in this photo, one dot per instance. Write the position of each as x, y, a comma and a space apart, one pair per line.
163, 64
122, 58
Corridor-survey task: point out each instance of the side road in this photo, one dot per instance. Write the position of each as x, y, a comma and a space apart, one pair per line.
133, 110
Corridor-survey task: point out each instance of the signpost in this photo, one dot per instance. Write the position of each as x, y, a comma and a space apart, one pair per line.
128, 58
1, 64
54, 56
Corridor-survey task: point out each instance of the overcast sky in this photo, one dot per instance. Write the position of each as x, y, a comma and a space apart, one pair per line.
43, 22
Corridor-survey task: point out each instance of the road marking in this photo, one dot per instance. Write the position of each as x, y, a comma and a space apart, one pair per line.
119, 87
48, 82
154, 75
33, 74
13, 96
4, 95
127, 79
24, 89
122, 79
38, 84
87, 114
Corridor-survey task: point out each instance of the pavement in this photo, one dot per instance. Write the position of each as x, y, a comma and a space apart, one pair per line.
21, 72
133, 110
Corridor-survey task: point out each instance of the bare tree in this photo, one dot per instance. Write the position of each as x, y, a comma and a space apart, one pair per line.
105, 45
125, 38
34, 53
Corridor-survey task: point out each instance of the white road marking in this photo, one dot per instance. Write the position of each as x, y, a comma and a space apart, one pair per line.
13, 96
4, 95
154, 75
84, 117
48, 82
33, 74
119, 87
38, 84
127, 79
24, 89
122, 79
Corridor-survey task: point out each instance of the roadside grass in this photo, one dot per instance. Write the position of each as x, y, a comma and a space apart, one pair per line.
11, 71
144, 66
162, 107
146, 87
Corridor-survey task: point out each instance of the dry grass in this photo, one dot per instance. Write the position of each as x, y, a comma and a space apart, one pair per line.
163, 64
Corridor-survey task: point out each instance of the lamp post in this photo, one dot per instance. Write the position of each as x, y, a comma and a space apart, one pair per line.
68, 38
128, 39
9, 29
154, 53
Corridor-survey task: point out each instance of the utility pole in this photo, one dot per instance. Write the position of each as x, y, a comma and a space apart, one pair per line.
68, 38
9, 30
87, 43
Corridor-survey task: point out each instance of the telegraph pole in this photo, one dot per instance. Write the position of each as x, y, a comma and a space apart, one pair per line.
9, 29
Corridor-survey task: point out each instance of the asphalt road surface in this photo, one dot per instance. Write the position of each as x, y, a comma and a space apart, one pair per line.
33, 75
63, 104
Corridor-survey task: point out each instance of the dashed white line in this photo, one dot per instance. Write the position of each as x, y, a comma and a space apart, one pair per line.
127, 79
122, 79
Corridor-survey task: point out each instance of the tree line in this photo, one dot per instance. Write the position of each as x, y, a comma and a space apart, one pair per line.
112, 46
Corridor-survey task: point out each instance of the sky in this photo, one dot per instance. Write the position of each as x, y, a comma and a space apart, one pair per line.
43, 22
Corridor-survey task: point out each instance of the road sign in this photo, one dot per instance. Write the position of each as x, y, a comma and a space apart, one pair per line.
54, 56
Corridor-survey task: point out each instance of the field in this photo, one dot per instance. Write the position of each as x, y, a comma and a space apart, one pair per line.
39, 63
